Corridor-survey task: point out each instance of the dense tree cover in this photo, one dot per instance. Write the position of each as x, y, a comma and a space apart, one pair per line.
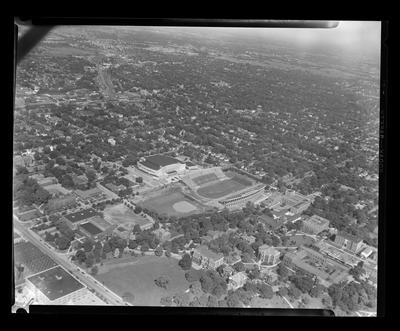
357, 271
193, 275
186, 262
303, 282
28, 192
352, 296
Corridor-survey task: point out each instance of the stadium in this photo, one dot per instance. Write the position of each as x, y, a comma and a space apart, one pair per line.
215, 187
161, 166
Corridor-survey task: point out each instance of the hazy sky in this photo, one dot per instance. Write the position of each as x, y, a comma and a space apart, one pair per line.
355, 37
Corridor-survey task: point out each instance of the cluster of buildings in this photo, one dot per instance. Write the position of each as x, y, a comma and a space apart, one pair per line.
89, 222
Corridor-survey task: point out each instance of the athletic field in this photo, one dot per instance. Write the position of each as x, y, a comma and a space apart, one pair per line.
223, 188
173, 203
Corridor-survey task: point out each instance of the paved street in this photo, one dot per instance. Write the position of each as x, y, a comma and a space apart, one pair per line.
62, 260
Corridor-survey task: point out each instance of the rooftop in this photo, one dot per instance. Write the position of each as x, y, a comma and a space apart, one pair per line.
55, 283
88, 193
81, 215
91, 228
348, 236
269, 250
318, 220
156, 162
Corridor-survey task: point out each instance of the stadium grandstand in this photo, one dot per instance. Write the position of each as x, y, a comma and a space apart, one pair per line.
161, 166
239, 199
198, 178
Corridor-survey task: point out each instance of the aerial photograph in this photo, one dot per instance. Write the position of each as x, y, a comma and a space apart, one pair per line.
198, 167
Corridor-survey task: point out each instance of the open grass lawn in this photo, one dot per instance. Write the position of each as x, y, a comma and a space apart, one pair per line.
164, 204
121, 214
137, 277
222, 188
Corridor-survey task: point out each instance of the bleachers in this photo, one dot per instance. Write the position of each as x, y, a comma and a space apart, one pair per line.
204, 176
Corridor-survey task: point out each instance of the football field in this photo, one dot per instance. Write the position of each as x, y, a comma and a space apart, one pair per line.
222, 188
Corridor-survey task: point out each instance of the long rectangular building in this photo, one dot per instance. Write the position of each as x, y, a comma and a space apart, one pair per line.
161, 165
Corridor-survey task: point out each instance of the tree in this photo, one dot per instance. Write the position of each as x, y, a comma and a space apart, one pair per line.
91, 175
212, 301
158, 251
327, 301
239, 266
139, 180
195, 288
283, 291
166, 301
167, 253
218, 290
88, 245
80, 256
282, 271
144, 247
294, 292
89, 260
186, 262
265, 291
181, 299
192, 275
62, 242
162, 282
94, 270
138, 210
232, 300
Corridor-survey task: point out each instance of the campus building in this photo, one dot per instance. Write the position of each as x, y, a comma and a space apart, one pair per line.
56, 286
314, 263
161, 166
83, 216
240, 199
268, 255
348, 242
315, 224
237, 280
207, 258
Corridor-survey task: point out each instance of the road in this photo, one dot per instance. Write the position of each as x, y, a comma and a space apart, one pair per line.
63, 261
288, 302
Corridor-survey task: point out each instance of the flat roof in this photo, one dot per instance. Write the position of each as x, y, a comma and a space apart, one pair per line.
88, 193
55, 283
315, 219
91, 228
81, 215
156, 162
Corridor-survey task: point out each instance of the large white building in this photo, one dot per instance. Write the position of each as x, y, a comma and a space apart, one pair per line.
56, 286
161, 166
